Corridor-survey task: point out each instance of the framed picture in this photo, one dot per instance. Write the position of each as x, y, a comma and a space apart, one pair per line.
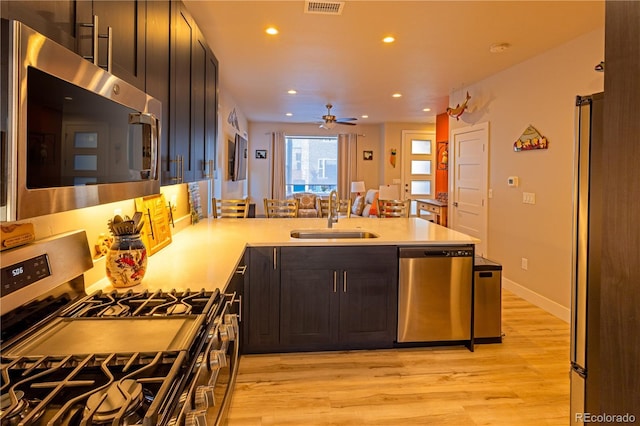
261, 153
367, 155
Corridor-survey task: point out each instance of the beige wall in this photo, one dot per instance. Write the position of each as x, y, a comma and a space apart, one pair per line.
539, 92
223, 187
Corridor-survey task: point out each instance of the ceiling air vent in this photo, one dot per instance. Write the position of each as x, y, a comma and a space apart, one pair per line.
324, 7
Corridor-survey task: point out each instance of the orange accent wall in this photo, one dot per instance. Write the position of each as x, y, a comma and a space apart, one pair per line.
442, 143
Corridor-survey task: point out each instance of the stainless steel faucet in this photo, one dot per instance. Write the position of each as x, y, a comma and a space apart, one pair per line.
333, 209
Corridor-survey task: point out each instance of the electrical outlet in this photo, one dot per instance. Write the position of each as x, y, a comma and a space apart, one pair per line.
524, 263
490, 193
529, 197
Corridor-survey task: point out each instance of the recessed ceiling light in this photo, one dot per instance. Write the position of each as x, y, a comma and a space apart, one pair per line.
499, 47
364, 116
388, 39
426, 109
272, 31
292, 92
397, 95
289, 114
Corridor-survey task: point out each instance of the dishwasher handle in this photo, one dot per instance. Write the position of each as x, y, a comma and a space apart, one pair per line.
436, 251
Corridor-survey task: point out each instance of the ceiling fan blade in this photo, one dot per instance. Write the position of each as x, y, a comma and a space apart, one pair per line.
346, 119
345, 122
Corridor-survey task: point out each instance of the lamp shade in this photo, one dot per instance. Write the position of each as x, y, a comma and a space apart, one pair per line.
357, 186
389, 192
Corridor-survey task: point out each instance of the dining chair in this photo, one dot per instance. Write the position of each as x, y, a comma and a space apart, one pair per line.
230, 208
323, 207
394, 208
280, 208
344, 207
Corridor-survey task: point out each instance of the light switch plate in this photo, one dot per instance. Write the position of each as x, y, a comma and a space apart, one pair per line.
529, 197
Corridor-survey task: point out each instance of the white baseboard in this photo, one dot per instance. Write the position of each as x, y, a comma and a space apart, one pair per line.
548, 305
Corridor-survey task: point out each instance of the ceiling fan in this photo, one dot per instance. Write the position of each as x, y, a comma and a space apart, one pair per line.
330, 120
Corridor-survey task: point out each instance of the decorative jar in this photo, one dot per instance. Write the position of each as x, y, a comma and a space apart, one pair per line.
126, 260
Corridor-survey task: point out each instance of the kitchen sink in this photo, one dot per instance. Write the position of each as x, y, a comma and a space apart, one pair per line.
332, 233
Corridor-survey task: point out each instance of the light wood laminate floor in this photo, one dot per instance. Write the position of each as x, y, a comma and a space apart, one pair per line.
522, 381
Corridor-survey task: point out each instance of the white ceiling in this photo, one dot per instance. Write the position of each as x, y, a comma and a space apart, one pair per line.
440, 46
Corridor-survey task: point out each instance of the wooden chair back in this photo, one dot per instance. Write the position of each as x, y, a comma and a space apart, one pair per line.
238, 208
323, 207
280, 208
394, 208
344, 207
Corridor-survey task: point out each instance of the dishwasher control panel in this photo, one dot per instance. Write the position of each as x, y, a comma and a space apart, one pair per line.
437, 251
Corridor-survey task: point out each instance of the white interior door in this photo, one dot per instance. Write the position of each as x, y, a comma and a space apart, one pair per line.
469, 182
418, 165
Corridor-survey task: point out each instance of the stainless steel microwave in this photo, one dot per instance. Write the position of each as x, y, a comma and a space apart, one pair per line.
73, 134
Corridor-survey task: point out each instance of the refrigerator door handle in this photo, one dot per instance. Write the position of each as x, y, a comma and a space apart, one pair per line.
580, 236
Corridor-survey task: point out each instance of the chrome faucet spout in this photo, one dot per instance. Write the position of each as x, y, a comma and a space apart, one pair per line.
333, 209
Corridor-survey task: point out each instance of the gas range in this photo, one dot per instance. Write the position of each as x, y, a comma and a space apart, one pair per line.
117, 358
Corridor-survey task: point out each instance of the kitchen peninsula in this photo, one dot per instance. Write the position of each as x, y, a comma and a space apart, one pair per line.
324, 292
207, 254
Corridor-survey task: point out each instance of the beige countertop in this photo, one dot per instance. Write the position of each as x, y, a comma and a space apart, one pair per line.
207, 254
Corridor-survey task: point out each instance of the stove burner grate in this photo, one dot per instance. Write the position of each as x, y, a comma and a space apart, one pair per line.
141, 304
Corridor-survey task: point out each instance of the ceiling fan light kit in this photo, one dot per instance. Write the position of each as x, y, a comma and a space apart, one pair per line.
330, 120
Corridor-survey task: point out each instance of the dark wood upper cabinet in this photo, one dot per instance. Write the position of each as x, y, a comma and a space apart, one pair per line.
68, 23
157, 67
127, 20
193, 102
54, 19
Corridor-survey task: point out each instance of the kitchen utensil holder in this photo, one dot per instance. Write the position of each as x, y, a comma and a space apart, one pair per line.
126, 261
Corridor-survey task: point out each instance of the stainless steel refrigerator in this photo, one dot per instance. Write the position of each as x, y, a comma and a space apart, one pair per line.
586, 253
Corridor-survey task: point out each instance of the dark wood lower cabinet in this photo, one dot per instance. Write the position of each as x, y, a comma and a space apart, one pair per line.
320, 298
338, 297
309, 309
261, 310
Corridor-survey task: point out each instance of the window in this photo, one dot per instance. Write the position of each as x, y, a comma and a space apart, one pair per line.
311, 164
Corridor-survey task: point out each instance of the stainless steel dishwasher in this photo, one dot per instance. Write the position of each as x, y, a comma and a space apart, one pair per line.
435, 294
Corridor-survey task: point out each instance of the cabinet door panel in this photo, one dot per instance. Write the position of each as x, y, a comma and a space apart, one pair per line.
127, 20
157, 70
211, 114
262, 301
309, 309
367, 308
54, 19
198, 91
180, 144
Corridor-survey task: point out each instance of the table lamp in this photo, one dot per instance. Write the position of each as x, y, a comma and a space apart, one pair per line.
389, 192
357, 187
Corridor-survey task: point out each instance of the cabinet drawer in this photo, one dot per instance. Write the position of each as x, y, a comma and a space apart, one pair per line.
429, 208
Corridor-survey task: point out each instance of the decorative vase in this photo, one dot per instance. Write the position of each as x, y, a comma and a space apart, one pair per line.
126, 260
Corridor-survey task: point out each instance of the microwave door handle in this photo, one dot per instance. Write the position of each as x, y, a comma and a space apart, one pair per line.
150, 143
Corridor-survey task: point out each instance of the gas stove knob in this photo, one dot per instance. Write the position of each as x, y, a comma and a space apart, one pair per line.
204, 397
196, 418
217, 359
227, 333
231, 319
